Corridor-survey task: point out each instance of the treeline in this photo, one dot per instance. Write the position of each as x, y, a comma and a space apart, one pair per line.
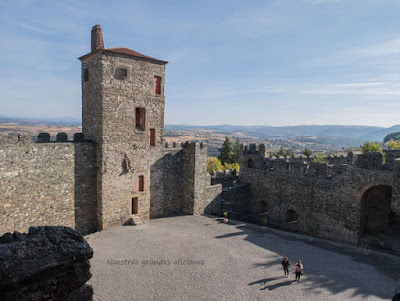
229, 156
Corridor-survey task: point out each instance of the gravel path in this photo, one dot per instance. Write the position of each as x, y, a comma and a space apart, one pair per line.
200, 258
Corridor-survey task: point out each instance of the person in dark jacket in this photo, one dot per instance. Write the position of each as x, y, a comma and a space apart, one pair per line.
285, 264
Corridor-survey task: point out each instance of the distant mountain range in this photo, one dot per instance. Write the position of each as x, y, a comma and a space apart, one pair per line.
27, 121
358, 132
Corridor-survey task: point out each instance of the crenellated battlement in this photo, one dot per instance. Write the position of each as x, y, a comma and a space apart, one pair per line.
41, 138
195, 146
253, 157
225, 177
60, 137
173, 145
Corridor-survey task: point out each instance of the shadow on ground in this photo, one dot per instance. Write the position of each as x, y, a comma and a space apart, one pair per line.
321, 273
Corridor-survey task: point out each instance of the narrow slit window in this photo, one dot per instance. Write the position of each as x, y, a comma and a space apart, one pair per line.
141, 183
152, 137
157, 85
140, 116
86, 74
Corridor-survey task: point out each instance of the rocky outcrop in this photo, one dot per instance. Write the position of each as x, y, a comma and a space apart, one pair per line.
48, 263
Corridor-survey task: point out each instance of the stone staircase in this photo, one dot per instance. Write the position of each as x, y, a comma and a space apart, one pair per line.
136, 220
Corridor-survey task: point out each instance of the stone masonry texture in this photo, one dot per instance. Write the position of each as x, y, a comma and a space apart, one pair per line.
47, 184
327, 198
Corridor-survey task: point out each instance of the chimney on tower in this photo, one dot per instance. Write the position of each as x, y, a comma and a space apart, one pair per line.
97, 38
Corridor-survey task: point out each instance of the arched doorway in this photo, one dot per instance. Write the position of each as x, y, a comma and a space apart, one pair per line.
263, 205
291, 215
375, 209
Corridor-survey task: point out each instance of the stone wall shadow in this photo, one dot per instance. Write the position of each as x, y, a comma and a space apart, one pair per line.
323, 268
85, 187
166, 185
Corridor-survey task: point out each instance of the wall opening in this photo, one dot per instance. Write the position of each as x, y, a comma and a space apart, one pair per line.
157, 85
121, 73
152, 137
250, 163
141, 183
291, 215
140, 118
134, 205
376, 209
86, 74
263, 205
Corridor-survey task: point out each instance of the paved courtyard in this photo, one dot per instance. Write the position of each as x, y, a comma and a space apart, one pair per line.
201, 258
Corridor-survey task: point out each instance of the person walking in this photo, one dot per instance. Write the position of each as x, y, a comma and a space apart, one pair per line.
298, 269
285, 263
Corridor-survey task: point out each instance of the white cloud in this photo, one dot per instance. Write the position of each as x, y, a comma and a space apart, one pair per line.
360, 85
361, 89
382, 49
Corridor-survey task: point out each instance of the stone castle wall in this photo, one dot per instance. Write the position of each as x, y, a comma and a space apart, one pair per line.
47, 184
325, 197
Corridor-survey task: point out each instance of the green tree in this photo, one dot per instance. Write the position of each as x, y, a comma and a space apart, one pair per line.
281, 152
320, 159
225, 152
289, 154
232, 166
236, 152
393, 144
307, 152
213, 164
370, 146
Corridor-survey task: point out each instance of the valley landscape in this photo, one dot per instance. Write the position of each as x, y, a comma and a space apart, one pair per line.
318, 138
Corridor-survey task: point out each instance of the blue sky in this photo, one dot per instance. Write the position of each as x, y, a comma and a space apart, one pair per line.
277, 62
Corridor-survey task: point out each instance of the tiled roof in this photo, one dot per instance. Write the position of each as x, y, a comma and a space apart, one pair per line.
126, 51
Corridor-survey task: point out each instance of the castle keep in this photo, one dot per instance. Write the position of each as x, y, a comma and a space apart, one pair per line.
120, 170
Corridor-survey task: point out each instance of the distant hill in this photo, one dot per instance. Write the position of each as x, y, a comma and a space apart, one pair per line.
354, 133
357, 132
27, 121
380, 134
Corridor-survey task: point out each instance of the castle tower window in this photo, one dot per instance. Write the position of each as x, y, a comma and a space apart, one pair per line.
121, 73
291, 215
157, 85
141, 183
140, 118
134, 205
86, 74
250, 163
152, 137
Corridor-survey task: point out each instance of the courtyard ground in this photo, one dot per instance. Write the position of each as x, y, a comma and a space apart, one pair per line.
201, 258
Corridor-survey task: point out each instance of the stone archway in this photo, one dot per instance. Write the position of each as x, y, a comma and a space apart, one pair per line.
375, 209
291, 215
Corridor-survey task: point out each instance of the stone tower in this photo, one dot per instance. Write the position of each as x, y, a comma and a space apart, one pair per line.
123, 113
